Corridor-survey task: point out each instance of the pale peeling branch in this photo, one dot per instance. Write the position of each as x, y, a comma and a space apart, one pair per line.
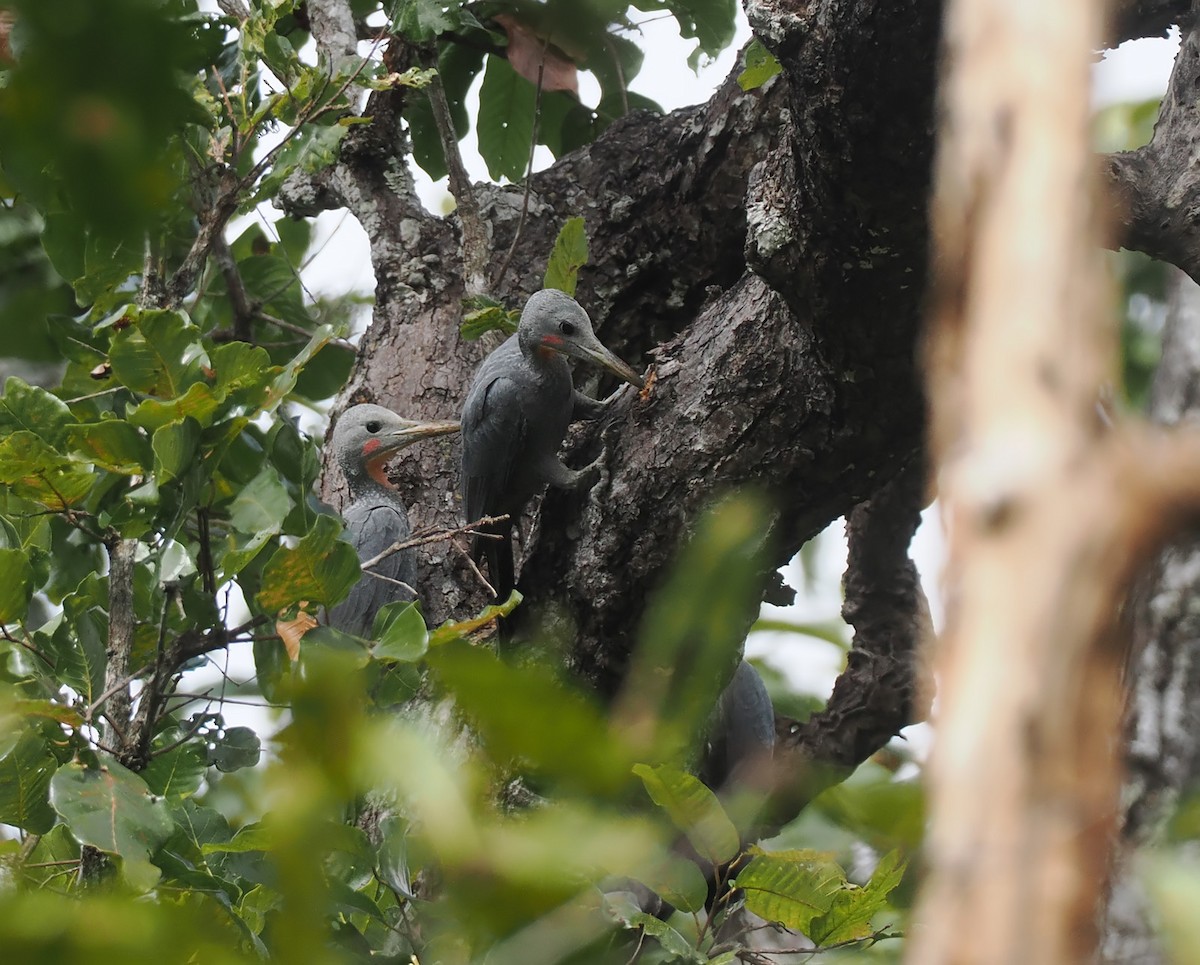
333, 29
1047, 510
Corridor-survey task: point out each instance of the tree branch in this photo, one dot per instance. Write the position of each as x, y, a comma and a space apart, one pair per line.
1156, 188
886, 684
475, 246
1132, 19
332, 26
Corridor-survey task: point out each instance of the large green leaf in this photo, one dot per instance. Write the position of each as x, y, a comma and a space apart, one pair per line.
792, 887
458, 66
400, 633
16, 584
114, 445
528, 714
321, 568
761, 66
175, 449
505, 121
175, 772
112, 809
37, 471
157, 354
695, 626
260, 507
25, 773
32, 408
234, 748
850, 916
197, 403
78, 646
694, 809
621, 906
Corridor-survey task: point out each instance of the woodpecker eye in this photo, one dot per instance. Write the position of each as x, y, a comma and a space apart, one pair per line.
566, 328
374, 425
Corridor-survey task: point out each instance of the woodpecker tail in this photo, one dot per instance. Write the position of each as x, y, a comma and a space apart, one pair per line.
499, 556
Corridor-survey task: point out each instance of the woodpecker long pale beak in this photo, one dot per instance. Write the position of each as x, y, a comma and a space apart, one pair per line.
593, 351
410, 432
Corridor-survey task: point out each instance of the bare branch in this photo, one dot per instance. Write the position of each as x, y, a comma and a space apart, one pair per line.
475, 244
1156, 188
436, 535
333, 29
885, 685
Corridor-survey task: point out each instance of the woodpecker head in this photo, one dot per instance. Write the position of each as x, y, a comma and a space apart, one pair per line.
554, 322
365, 436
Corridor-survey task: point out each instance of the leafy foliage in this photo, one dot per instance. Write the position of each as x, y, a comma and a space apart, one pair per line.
156, 514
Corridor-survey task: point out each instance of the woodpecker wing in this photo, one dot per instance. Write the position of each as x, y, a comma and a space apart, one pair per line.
373, 526
494, 436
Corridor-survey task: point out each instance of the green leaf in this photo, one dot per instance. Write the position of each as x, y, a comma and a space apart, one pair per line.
16, 584
54, 860
158, 354
760, 66
196, 403
401, 633
505, 120
78, 647
452, 630
177, 772
678, 880
320, 569
569, 255
111, 808
25, 773
694, 627
850, 916
37, 471
621, 906
260, 507
239, 367
527, 713
487, 315
234, 748
311, 149
285, 381
694, 809
201, 825
34, 409
791, 887
114, 445
175, 449
423, 20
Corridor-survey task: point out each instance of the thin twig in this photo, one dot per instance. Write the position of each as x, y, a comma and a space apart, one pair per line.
474, 232
437, 536
537, 117
474, 567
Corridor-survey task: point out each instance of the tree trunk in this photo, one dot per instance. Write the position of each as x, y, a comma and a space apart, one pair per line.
767, 247
1163, 754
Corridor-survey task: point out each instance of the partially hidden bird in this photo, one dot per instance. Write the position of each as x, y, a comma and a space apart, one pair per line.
515, 418
364, 438
741, 733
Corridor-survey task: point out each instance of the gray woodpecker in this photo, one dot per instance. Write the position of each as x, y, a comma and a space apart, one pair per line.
364, 438
516, 416
741, 733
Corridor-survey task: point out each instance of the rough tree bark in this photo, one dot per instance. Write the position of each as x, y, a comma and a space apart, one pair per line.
767, 247
1163, 754
766, 250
